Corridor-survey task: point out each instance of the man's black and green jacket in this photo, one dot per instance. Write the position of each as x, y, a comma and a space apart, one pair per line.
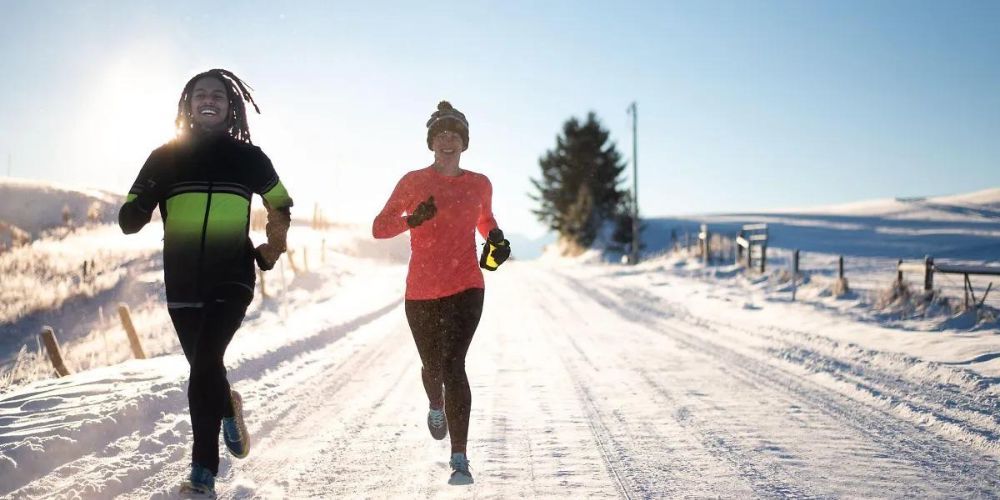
203, 185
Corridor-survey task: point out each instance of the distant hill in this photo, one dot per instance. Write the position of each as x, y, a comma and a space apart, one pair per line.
526, 247
36, 206
965, 227
979, 205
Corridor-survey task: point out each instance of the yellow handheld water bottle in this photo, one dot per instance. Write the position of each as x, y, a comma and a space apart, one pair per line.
495, 251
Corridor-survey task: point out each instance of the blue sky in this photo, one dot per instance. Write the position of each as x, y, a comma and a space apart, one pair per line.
742, 105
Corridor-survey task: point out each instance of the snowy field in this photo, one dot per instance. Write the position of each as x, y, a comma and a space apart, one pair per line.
590, 380
872, 237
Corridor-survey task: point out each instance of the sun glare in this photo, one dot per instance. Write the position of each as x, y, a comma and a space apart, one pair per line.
129, 111
138, 105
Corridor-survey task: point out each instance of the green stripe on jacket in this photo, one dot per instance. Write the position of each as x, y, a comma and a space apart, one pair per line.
277, 197
227, 219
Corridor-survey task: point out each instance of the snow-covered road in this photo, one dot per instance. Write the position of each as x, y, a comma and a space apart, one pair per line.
583, 386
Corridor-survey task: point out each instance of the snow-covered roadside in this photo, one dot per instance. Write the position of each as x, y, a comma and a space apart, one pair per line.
138, 407
668, 378
45, 285
946, 382
588, 381
715, 293
869, 238
46, 273
584, 371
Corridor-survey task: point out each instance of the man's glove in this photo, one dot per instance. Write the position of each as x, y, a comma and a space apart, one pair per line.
496, 250
278, 222
149, 196
266, 256
425, 211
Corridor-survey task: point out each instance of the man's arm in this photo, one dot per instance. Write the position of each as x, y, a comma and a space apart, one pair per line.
146, 193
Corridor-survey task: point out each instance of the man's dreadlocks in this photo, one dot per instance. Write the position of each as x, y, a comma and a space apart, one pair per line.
237, 91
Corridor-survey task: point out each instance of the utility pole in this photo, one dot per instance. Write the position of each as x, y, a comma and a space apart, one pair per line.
634, 257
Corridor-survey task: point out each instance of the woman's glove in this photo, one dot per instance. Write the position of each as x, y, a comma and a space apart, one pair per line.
424, 212
496, 250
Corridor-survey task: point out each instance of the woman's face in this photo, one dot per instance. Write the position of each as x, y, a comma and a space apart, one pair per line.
447, 143
209, 104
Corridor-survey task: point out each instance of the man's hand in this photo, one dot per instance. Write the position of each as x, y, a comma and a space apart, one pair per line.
266, 256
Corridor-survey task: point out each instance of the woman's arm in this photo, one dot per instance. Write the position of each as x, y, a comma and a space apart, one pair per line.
390, 221
486, 221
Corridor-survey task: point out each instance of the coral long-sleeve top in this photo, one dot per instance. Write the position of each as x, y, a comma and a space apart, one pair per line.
443, 256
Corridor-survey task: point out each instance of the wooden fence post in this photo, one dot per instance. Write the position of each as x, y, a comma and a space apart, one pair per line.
133, 337
763, 257
795, 273
263, 289
841, 288
966, 285
291, 261
703, 245
928, 273
708, 246
899, 273
52, 347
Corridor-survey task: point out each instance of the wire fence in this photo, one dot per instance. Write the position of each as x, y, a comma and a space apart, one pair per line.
866, 275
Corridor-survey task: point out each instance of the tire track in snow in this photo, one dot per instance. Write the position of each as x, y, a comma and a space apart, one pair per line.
968, 411
540, 441
602, 435
753, 464
599, 430
275, 402
307, 400
320, 426
764, 479
636, 472
942, 460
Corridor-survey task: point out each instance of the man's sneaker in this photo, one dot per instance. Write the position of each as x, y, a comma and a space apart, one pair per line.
460, 470
234, 431
437, 422
200, 484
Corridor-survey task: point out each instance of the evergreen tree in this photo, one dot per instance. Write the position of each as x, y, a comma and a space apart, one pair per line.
579, 187
621, 237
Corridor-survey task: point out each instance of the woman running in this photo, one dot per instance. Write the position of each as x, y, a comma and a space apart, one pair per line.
442, 206
202, 183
